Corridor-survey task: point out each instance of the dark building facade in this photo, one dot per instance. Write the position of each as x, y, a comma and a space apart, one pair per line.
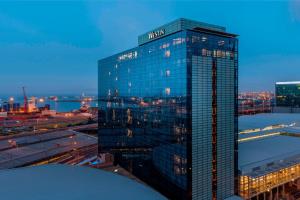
168, 109
288, 94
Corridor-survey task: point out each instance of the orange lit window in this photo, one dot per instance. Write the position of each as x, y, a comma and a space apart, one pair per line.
167, 53
129, 133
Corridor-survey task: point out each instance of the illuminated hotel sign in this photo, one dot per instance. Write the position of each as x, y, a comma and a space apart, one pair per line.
155, 34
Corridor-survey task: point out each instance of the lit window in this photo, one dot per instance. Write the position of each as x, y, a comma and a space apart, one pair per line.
177, 159
129, 84
168, 91
178, 41
221, 42
167, 53
129, 133
214, 53
177, 131
204, 39
116, 78
168, 72
129, 117
130, 55
164, 46
116, 66
177, 170
109, 73
204, 52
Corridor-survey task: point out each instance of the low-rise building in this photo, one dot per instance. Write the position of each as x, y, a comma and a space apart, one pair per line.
288, 94
269, 164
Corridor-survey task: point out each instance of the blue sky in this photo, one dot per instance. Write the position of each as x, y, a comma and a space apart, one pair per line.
53, 47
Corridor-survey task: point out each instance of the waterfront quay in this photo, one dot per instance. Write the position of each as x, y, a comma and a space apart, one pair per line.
35, 123
34, 135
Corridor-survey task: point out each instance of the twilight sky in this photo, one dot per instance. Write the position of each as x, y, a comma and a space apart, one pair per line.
53, 47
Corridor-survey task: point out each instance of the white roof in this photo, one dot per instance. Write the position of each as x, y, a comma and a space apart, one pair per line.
261, 152
50, 182
288, 83
267, 119
32, 148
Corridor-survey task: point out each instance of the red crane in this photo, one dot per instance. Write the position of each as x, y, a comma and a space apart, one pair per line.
25, 101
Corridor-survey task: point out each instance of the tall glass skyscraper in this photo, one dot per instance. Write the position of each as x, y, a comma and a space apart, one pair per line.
168, 109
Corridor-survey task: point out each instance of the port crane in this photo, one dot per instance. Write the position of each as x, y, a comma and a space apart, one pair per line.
25, 101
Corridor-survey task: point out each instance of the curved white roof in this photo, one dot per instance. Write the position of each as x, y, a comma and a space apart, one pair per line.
64, 182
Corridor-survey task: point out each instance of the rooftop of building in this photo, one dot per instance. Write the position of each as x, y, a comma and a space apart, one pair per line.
27, 149
171, 28
179, 25
288, 83
259, 152
267, 119
50, 182
269, 131
274, 143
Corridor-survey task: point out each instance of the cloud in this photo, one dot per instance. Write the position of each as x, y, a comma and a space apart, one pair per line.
48, 67
16, 25
295, 10
120, 22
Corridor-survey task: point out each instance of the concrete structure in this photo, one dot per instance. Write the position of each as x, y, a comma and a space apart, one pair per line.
168, 109
51, 182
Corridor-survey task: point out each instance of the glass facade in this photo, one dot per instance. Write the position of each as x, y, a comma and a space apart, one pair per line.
167, 111
288, 94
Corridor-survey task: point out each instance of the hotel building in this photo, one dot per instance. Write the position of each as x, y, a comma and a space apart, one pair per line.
168, 110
